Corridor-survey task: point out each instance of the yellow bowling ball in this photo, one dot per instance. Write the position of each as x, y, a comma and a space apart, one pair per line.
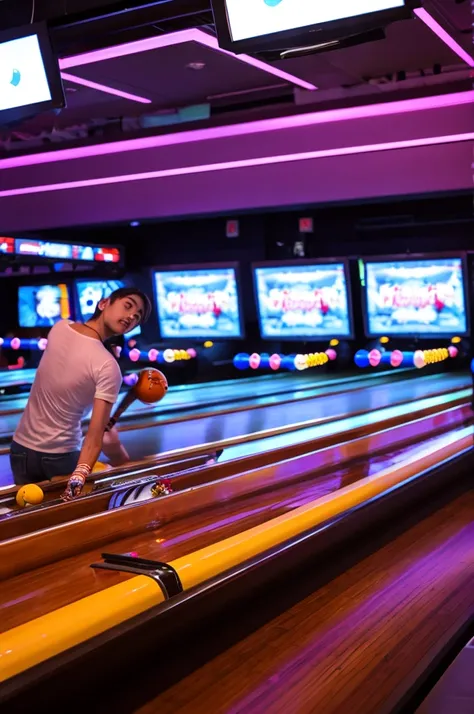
100, 466
29, 495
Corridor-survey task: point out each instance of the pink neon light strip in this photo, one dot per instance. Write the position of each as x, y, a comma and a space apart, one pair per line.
232, 130
444, 36
243, 163
177, 38
104, 88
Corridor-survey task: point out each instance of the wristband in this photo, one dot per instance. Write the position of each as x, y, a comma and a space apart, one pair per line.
81, 472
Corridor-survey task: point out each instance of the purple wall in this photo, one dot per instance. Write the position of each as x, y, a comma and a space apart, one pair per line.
405, 171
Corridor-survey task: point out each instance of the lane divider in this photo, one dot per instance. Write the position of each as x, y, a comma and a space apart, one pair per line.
29, 644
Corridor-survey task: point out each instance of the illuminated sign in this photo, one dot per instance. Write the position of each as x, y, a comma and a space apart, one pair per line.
32, 248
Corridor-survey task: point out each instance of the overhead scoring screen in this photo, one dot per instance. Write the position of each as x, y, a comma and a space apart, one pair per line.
23, 78
416, 297
201, 303
303, 301
256, 18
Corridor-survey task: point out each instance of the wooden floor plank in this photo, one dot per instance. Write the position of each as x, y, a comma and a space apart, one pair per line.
347, 646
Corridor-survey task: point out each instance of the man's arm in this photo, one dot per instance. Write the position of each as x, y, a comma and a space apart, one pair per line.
91, 448
92, 444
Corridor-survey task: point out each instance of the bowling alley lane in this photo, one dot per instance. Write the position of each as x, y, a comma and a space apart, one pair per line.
154, 439
117, 488
166, 432
53, 586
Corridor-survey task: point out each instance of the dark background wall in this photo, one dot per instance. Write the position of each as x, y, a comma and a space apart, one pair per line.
430, 225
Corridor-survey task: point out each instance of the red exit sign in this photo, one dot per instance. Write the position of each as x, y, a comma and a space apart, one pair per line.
306, 225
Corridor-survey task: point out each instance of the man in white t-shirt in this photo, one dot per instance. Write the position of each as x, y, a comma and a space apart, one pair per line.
76, 373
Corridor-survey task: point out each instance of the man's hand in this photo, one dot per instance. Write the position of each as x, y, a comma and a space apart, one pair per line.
76, 482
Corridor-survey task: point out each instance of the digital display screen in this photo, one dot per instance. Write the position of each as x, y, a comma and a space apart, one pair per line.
257, 18
416, 297
202, 303
65, 251
106, 254
23, 78
43, 249
7, 245
303, 301
43, 305
91, 292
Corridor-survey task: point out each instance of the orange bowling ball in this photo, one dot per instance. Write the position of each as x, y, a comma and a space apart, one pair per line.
151, 387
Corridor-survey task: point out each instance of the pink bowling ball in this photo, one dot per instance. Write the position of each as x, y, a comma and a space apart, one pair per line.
134, 355
453, 351
396, 358
254, 361
275, 362
331, 354
374, 358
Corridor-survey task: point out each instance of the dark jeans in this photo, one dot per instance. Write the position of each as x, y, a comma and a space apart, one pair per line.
30, 466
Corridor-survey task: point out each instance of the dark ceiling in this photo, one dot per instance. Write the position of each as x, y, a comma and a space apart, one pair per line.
210, 86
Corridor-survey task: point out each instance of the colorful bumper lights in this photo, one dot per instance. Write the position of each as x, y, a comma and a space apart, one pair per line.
300, 362
168, 356
397, 358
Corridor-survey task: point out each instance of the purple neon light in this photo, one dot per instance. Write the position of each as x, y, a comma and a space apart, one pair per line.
104, 88
232, 130
243, 163
444, 36
177, 38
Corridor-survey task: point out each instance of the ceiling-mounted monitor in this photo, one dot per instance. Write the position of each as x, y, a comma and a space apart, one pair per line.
30, 80
265, 25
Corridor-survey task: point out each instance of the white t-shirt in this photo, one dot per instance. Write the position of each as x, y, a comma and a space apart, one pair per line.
74, 370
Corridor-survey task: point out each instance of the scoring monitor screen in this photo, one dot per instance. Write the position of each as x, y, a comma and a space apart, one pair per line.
303, 301
200, 303
23, 78
416, 297
256, 18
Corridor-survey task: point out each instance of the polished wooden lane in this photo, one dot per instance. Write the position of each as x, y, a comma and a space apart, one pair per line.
158, 439
61, 583
353, 645
54, 511
186, 473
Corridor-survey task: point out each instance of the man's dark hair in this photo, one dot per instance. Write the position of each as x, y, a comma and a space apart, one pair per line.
123, 293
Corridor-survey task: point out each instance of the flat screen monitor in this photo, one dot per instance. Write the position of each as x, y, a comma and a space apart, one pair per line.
198, 303
423, 297
258, 24
30, 81
34, 248
91, 292
308, 301
43, 305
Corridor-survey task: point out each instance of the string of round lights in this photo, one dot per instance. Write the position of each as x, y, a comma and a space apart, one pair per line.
300, 362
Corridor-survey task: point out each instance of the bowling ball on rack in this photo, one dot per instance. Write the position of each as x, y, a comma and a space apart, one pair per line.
29, 495
151, 387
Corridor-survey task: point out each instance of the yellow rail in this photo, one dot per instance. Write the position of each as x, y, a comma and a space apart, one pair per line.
38, 640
